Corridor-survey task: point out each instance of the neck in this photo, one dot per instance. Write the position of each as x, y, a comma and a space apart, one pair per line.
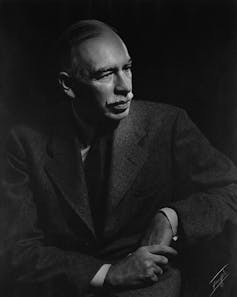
90, 130
87, 129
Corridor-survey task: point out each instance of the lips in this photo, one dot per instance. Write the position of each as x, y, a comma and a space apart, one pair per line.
122, 105
119, 106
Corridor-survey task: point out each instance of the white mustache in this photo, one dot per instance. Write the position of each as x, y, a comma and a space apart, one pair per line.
121, 100
130, 96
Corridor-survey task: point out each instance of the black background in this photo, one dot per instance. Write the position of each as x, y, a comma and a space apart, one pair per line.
184, 53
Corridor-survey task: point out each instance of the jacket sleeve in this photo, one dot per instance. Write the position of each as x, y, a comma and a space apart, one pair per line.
31, 260
206, 183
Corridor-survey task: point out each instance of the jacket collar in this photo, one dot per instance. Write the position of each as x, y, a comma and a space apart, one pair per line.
65, 167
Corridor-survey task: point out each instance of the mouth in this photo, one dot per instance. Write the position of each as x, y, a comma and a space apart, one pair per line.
119, 107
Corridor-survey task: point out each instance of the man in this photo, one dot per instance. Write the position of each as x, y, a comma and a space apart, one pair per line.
103, 194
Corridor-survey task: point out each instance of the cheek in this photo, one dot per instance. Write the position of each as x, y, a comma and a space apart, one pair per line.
103, 95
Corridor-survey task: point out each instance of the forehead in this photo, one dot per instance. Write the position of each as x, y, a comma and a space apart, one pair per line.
103, 51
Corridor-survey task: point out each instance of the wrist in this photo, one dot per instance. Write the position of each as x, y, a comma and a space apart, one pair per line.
172, 217
159, 231
161, 219
166, 233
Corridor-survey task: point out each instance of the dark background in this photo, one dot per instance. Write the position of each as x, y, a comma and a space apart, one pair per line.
184, 53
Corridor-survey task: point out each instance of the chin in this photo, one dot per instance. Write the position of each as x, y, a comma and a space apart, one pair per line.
118, 116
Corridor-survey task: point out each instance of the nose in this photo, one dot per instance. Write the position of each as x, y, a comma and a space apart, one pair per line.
123, 84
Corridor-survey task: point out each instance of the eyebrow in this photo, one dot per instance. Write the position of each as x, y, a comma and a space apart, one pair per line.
106, 69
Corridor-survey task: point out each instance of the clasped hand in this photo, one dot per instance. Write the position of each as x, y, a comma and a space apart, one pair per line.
141, 268
148, 262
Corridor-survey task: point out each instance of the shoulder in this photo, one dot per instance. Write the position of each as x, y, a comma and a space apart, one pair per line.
150, 108
24, 138
154, 113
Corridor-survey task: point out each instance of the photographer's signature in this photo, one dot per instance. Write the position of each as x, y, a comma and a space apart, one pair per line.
218, 280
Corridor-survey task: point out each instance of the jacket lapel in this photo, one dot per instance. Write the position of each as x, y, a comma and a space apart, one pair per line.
128, 156
64, 165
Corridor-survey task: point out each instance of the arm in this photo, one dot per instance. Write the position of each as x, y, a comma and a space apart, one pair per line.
206, 189
32, 259
145, 265
206, 184
160, 230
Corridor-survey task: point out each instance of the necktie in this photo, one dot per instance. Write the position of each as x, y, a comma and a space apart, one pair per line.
95, 178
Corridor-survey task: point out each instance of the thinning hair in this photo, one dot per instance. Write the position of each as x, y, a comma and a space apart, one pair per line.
74, 36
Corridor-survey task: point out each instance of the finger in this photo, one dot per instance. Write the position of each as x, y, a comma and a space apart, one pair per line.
153, 275
154, 278
161, 249
160, 259
157, 270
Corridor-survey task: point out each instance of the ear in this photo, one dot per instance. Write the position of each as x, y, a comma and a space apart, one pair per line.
65, 82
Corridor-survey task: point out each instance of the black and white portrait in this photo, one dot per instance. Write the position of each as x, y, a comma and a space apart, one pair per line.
118, 148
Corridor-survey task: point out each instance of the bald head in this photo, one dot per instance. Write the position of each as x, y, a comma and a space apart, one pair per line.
74, 36
97, 72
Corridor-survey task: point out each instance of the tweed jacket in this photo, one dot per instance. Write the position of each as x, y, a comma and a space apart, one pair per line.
159, 159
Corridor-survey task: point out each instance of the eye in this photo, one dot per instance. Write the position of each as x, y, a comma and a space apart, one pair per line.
128, 67
106, 74
103, 75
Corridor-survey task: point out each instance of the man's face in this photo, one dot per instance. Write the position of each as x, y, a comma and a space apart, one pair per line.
103, 81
